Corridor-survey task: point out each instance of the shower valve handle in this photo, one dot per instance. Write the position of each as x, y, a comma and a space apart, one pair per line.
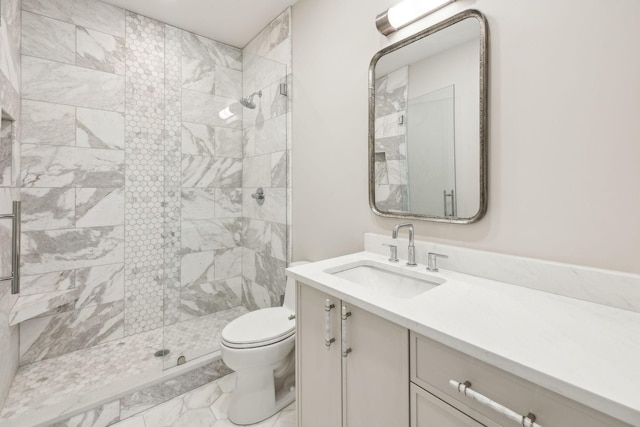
259, 196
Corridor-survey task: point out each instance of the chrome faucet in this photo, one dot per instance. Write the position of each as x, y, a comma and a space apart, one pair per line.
411, 258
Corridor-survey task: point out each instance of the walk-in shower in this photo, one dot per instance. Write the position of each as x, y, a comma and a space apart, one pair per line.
136, 201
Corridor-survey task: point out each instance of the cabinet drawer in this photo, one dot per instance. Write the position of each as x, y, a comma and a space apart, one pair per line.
429, 411
433, 365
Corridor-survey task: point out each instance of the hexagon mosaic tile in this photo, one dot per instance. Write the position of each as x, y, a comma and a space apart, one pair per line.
144, 170
57, 379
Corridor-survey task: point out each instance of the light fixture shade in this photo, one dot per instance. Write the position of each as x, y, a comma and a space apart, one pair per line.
405, 13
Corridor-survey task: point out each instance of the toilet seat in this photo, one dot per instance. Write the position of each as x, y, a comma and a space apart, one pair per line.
259, 328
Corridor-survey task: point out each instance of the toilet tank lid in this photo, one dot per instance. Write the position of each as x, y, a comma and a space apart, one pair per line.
259, 326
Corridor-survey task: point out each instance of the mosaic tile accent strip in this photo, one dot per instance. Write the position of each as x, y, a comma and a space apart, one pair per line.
172, 174
144, 192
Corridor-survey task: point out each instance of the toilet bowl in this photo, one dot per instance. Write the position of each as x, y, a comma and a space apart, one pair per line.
259, 347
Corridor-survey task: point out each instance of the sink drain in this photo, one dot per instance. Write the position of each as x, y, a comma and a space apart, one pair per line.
161, 353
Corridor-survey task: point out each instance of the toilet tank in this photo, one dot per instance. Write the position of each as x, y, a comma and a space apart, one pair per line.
290, 290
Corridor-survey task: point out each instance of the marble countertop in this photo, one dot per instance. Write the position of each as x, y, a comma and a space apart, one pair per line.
585, 351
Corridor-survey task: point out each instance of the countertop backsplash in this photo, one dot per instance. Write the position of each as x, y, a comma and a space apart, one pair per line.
608, 287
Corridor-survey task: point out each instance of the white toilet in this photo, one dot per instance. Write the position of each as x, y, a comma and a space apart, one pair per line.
259, 346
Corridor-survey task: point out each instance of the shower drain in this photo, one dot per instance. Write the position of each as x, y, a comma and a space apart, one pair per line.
161, 353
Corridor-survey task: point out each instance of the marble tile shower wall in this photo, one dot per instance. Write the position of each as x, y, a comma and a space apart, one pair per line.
392, 174
73, 172
211, 191
132, 185
267, 157
10, 21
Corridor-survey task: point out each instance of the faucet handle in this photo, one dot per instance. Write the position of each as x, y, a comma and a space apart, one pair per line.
393, 252
432, 259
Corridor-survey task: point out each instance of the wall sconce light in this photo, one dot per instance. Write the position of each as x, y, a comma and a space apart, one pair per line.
406, 12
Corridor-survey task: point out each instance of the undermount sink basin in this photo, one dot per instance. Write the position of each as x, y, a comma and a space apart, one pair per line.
387, 280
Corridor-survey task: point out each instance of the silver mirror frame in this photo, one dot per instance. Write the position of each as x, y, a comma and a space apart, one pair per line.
483, 120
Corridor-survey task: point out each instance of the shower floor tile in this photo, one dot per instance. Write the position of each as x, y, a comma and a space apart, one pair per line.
198, 336
52, 381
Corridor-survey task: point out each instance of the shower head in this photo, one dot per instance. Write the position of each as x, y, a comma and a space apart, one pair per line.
248, 101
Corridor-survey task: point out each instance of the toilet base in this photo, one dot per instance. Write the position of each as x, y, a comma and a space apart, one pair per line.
254, 399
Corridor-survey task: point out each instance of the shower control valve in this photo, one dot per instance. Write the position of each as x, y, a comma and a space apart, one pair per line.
259, 196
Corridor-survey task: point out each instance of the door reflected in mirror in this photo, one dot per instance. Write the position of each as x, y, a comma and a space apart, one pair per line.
427, 112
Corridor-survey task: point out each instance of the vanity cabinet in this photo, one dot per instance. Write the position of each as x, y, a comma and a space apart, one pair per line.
352, 370
356, 369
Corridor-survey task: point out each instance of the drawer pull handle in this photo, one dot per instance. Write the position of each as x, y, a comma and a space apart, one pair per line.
328, 339
528, 420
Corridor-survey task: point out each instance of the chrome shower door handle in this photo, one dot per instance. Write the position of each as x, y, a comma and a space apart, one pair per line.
15, 248
345, 315
328, 339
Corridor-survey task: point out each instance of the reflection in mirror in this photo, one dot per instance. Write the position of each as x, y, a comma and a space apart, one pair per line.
427, 114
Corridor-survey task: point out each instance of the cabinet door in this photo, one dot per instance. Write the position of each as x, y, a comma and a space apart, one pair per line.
376, 372
429, 411
318, 367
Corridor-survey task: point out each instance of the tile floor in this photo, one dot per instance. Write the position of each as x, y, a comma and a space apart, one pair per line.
54, 380
203, 407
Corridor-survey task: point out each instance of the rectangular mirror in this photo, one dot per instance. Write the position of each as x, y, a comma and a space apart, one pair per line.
428, 121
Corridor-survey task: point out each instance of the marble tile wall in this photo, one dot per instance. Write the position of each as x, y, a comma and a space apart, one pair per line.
212, 167
73, 172
267, 154
392, 175
10, 69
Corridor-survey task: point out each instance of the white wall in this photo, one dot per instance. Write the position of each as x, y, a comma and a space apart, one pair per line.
564, 133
